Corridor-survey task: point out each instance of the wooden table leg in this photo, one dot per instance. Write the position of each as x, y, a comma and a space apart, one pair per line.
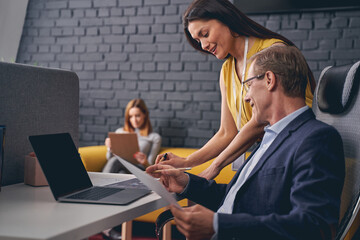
167, 231
126, 230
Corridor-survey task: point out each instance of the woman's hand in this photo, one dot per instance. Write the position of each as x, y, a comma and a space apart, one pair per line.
141, 158
108, 143
210, 173
172, 160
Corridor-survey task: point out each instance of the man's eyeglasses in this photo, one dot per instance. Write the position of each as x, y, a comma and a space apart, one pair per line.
245, 83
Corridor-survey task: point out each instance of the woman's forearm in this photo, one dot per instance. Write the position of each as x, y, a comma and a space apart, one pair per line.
211, 149
247, 136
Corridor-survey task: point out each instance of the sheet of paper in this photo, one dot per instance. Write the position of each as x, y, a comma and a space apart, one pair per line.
150, 182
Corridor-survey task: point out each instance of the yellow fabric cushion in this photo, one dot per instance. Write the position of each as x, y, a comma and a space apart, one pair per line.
93, 157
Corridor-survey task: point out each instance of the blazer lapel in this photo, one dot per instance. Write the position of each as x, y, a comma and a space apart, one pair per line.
279, 140
234, 179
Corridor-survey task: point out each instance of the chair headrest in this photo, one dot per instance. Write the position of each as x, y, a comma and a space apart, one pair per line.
335, 87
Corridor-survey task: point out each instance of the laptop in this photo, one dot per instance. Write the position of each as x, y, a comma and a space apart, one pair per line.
124, 145
67, 176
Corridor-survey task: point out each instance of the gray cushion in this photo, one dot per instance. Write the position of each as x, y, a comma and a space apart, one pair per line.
335, 87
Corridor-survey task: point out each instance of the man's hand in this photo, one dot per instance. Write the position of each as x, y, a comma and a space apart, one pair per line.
172, 160
195, 222
174, 180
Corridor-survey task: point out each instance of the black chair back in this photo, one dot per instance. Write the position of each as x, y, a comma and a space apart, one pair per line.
337, 102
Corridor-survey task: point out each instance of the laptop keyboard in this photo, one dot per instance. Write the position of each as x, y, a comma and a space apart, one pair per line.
131, 183
95, 193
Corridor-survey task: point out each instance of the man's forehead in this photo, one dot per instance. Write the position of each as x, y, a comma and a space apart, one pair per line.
251, 69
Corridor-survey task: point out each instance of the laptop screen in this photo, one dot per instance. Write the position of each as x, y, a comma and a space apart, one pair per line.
61, 163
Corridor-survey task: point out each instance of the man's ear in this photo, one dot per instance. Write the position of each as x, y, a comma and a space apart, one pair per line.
271, 80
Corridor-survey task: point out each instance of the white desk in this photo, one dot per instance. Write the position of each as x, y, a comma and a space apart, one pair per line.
32, 213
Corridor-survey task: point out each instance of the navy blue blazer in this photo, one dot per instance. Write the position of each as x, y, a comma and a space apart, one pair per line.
292, 193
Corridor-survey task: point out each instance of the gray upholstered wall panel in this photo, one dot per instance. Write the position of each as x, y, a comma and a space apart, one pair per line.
34, 100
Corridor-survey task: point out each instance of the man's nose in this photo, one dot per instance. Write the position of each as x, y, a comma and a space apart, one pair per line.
246, 97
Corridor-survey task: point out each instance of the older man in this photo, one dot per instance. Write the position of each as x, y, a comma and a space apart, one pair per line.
290, 186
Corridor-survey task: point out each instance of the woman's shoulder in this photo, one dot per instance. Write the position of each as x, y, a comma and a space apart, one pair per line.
271, 41
261, 44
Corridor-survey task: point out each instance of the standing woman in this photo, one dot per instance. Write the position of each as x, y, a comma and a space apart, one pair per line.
136, 120
217, 27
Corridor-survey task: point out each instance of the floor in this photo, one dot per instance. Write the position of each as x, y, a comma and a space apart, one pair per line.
143, 231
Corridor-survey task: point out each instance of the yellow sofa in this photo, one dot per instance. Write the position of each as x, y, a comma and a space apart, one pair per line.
94, 159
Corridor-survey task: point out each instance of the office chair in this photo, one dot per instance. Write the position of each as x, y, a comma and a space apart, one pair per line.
337, 102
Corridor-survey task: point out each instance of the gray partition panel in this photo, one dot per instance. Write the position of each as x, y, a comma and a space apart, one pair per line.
34, 100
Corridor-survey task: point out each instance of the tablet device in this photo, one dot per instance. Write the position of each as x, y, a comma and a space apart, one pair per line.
124, 145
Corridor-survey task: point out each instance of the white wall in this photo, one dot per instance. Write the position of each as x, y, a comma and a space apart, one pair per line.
12, 16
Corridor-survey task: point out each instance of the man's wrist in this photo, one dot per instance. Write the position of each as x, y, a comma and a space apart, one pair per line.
186, 185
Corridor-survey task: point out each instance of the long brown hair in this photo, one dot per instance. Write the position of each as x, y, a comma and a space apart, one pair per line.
238, 23
146, 128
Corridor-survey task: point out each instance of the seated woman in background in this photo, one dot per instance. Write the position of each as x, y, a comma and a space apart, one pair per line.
136, 120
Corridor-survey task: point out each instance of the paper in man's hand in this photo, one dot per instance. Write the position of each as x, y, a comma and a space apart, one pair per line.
150, 182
